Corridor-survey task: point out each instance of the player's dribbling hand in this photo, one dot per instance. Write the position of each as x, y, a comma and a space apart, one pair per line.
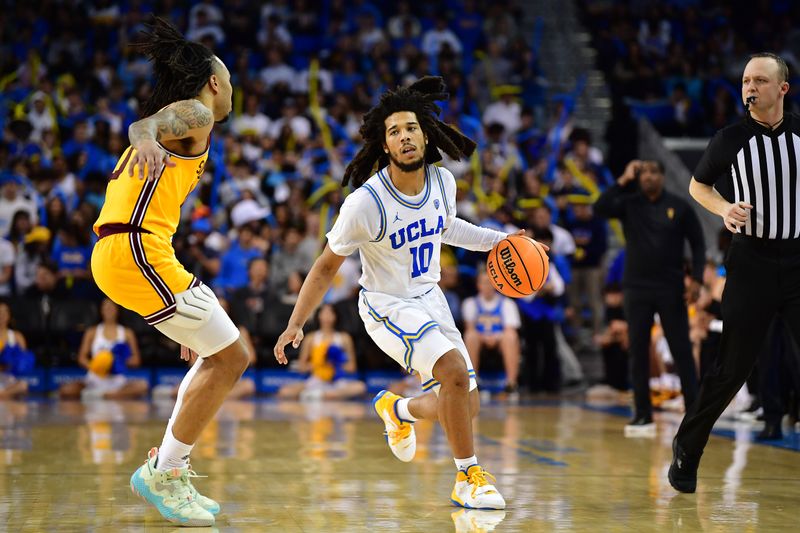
523, 233
736, 216
292, 334
150, 156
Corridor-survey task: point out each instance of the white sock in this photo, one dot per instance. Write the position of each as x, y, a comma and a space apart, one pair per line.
173, 453
403, 412
463, 464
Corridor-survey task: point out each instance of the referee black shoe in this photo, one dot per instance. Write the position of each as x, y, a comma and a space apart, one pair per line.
683, 470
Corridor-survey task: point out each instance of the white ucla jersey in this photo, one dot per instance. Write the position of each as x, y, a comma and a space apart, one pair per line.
398, 237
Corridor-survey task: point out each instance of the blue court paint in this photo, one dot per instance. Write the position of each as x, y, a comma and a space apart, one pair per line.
523, 452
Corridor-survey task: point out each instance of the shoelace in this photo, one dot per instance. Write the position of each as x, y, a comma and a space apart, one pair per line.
396, 435
478, 479
184, 490
190, 474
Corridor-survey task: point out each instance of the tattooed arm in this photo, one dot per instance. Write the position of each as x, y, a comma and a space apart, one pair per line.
186, 119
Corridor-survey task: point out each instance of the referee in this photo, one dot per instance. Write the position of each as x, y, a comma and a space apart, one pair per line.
759, 158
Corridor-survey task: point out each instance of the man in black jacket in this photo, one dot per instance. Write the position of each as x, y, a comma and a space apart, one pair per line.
656, 225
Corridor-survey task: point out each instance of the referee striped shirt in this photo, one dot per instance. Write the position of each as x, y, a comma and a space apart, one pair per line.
761, 167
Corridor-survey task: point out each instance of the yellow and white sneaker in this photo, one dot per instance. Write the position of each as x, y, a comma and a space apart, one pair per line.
476, 520
170, 492
399, 434
473, 490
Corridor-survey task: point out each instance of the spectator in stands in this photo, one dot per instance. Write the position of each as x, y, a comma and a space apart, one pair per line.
198, 256
505, 110
7, 261
403, 19
14, 358
250, 302
30, 253
494, 69
289, 257
106, 351
252, 121
539, 313
13, 199
613, 341
277, 75
591, 243
72, 251
46, 283
492, 322
40, 115
439, 37
273, 34
542, 219
328, 355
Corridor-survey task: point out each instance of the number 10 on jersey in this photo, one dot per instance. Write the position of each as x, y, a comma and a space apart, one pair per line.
421, 257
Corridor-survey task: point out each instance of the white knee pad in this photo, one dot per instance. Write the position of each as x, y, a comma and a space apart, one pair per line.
194, 307
199, 322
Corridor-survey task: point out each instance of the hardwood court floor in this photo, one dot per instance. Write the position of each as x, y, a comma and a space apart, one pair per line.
304, 468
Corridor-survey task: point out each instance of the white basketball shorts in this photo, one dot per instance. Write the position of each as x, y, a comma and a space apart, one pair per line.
415, 332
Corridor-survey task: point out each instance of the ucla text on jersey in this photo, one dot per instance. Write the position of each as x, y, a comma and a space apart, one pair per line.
416, 230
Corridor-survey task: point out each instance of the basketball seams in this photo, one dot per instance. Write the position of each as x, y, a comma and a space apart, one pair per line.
545, 266
522, 262
502, 270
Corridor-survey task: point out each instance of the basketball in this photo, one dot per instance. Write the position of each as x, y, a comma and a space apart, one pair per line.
517, 266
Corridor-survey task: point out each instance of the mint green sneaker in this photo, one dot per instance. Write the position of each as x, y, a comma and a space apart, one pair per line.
170, 492
204, 501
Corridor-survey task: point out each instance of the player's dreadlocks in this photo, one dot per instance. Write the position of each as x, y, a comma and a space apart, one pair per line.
419, 98
181, 67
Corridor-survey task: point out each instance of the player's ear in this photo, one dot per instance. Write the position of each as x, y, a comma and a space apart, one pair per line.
213, 83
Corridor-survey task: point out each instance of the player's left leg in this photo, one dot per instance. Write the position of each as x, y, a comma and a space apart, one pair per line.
426, 406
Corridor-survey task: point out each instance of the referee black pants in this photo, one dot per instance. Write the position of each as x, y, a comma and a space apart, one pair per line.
640, 306
763, 280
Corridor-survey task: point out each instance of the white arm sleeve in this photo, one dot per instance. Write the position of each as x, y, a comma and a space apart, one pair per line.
467, 235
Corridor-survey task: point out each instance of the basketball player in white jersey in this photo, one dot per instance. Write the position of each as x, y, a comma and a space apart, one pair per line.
397, 220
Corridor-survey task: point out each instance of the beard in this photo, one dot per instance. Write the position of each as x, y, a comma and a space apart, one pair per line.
408, 167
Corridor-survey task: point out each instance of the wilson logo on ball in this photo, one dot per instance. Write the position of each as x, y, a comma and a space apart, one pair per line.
510, 266
517, 266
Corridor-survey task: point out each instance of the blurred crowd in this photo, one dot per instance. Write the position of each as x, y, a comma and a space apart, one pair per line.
680, 62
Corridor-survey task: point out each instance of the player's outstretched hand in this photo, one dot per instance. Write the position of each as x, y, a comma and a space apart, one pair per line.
291, 334
150, 157
523, 233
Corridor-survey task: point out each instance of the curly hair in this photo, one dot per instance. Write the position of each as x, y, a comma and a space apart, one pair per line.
181, 67
419, 98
